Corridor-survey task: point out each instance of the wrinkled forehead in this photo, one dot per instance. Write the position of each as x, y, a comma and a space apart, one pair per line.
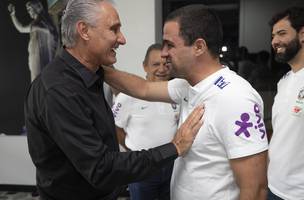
154, 55
108, 9
109, 13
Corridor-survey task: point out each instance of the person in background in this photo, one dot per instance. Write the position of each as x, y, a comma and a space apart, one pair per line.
71, 131
260, 77
245, 64
43, 36
136, 121
286, 163
228, 158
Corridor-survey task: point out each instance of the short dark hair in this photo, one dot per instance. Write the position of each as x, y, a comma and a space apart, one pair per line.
152, 47
199, 21
294, 14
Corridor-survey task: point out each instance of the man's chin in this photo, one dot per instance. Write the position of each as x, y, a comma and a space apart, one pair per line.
110, 62
281, 58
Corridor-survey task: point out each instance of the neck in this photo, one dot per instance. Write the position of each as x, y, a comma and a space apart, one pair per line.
83, 57
202, 70
297, 63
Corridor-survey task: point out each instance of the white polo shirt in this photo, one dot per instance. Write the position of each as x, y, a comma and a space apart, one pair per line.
233, 128
286, 153
147, 124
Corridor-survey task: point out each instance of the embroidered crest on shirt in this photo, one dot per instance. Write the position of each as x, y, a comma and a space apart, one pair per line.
245, 123
297, 109
301, 94
221, 82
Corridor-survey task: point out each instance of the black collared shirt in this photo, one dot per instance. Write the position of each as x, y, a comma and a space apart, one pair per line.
72, 140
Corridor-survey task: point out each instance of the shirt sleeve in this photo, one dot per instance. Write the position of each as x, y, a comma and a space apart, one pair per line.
177, 89
239, 123
121, 110
71, 128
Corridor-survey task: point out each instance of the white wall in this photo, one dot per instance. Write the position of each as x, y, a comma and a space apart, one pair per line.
255, 32
139, 19
16, 166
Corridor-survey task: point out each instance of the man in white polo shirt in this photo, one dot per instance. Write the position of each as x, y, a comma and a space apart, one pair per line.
143, 125
228, 158
286, 155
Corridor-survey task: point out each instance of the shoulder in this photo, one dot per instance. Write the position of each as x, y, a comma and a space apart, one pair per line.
178, 83
57, 75
177, 88
235, 92
232, 83
284, 79
53, 74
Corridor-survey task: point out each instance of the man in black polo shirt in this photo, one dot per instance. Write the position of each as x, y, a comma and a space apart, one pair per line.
71, 131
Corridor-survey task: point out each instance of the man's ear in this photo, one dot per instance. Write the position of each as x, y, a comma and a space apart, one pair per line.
145, 66
200, 46
83, 30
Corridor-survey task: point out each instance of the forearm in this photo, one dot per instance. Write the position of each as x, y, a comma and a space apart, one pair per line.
136, 86
251, 176
259, 193
120, 168
126, 83
21, 28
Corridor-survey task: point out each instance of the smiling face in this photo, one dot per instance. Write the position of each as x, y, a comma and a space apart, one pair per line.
285, 41
177, 54
105, 37
156, 68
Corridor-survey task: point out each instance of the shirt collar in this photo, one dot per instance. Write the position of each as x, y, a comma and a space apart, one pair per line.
205, 84
201, 90
88, 77
299, 73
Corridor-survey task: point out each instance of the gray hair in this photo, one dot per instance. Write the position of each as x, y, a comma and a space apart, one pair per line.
85, 10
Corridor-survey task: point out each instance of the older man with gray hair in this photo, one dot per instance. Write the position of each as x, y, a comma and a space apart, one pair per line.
71, 132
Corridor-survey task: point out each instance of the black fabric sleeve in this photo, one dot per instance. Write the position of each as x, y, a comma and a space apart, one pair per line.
71, 128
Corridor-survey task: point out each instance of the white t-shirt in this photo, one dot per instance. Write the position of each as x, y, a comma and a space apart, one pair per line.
233, 128
147, 124
286, 153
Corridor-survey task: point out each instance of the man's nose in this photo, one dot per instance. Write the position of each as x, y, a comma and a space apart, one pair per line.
274, 41
121, 39
164, 52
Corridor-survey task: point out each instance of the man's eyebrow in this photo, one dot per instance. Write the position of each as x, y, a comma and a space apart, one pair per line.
279, 31
116, 25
